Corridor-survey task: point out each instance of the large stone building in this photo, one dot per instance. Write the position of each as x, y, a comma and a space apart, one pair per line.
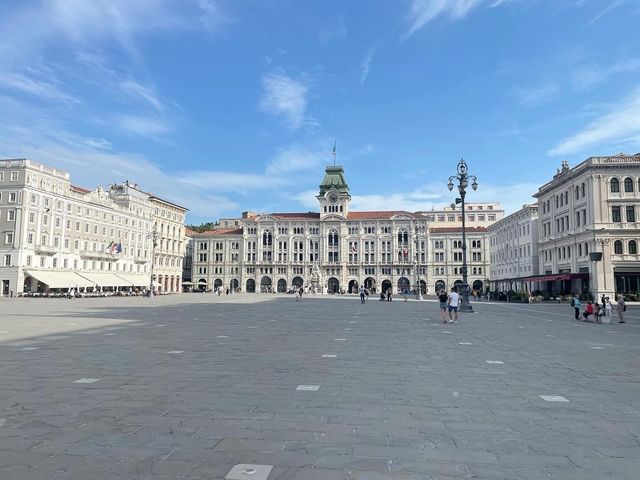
59, 236
591, 208
337, 249
514, 251
171, 243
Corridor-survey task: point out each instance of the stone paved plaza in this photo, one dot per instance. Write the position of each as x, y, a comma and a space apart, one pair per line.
189, 386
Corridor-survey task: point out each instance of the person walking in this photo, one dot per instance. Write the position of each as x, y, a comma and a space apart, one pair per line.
362, 295
443, 298
622, 307
575, 303
607, 306
300, 292
603, 303
389, 294
453, 304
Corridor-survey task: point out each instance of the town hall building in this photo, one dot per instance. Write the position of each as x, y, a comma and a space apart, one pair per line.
336, 250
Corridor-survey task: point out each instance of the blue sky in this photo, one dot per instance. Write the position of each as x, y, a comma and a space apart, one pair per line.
226, 106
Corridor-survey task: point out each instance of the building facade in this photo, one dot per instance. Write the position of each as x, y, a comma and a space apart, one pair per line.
590, 212
337, 250
171, 244
513, 244
55, 235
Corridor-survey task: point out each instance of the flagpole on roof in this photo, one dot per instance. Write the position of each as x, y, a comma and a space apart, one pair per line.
334, 152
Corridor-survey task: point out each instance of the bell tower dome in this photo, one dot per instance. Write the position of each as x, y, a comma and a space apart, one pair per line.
334, 195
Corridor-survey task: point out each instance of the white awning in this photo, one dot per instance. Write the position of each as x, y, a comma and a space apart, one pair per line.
105, 279
55, 279
135, 279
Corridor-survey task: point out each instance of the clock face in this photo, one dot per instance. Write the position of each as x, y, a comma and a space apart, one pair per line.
333, 198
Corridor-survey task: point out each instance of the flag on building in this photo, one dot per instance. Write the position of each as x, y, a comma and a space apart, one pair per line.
118, 247
109, 248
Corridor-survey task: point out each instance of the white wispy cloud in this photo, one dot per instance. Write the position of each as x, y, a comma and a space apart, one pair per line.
122, 20
366, 66
618, 127
294, 158
286, 96
588, 76
532, 96
33, 86
422, 12
608, 8
99, 143
147, 94
144, 126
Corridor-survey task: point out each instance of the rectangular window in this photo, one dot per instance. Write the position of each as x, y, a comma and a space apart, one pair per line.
631, 213
13, 197
8, 238
14, 176
7, 260
11, 215
615, 214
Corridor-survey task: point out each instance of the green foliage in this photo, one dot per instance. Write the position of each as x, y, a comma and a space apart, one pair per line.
203, 227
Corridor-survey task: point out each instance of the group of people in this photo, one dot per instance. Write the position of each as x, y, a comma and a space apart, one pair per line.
599, 310
384, 296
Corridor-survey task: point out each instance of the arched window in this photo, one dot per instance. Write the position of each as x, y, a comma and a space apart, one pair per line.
577, 192
583, 188
628, 184
333, 238
566, 197
617, 247
579, 249
403, 236
615, 185
267, 239
586, 248
633, 247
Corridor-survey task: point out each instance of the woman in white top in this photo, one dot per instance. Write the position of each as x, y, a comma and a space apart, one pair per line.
607, 306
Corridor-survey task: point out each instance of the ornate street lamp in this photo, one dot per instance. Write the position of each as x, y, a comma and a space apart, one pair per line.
462, 179
418, 229
153, 235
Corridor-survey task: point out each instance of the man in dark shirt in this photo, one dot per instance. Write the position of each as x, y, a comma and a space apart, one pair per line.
442, 298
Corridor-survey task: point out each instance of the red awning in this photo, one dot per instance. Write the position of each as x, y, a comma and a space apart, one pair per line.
556, 276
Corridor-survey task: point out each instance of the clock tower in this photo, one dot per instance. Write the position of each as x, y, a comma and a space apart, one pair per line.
334, 195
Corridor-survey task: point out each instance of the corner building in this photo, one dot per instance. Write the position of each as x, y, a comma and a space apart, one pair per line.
56, 236
338, 250
592, 208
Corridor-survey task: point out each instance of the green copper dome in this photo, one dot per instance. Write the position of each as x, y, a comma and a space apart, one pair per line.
334, 178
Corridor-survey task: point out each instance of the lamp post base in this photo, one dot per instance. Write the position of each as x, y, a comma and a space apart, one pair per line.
465, 304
